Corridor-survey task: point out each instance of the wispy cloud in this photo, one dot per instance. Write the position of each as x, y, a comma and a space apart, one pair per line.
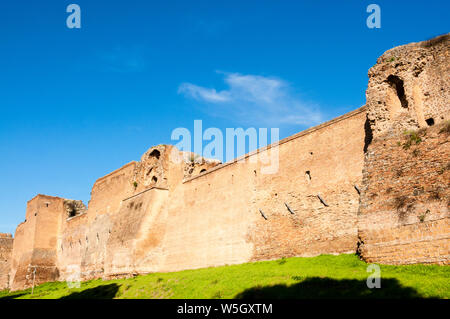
256, 99
204, 94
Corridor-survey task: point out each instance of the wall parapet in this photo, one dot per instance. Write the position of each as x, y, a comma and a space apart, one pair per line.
115, 172
280, 142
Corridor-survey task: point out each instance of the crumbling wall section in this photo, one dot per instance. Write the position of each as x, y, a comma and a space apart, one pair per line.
34, 250
404, 213
409, 87
92, 243
6, 247
404, 210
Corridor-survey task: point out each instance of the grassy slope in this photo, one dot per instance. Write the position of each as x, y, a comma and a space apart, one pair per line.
325, 276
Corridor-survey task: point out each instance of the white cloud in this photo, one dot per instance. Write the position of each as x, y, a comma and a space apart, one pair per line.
203, 94
255, 99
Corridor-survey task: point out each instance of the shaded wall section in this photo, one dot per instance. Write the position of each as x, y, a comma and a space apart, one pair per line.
82, 239
6, 246
404, 215
34, 250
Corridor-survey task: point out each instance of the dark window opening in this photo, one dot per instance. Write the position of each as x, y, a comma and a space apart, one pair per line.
368, 134
73, 209
311, 153
397, 83
155, 153
430, 121
154, 179
203, 170
72, 213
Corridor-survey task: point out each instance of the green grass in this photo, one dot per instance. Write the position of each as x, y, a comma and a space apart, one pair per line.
325, 276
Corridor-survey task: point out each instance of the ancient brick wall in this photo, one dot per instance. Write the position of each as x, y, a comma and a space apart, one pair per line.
409, 87
137, 230
34, 250
404, 213
6, 246
108, 191
215, 218
356, 182
83, 238
109, 238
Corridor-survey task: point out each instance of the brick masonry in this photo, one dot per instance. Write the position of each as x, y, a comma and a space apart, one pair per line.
355, 183
404, 211
6, 246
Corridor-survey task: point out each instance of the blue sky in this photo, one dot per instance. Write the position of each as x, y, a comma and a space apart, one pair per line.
78, 103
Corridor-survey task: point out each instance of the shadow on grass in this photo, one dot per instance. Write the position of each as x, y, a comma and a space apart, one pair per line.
100, 292
327, 288
12, 296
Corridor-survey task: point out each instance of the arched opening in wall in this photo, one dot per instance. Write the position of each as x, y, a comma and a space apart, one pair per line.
203, 170
397, 84
430, 121
154, 179
155, 153
74, 208
72, 211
